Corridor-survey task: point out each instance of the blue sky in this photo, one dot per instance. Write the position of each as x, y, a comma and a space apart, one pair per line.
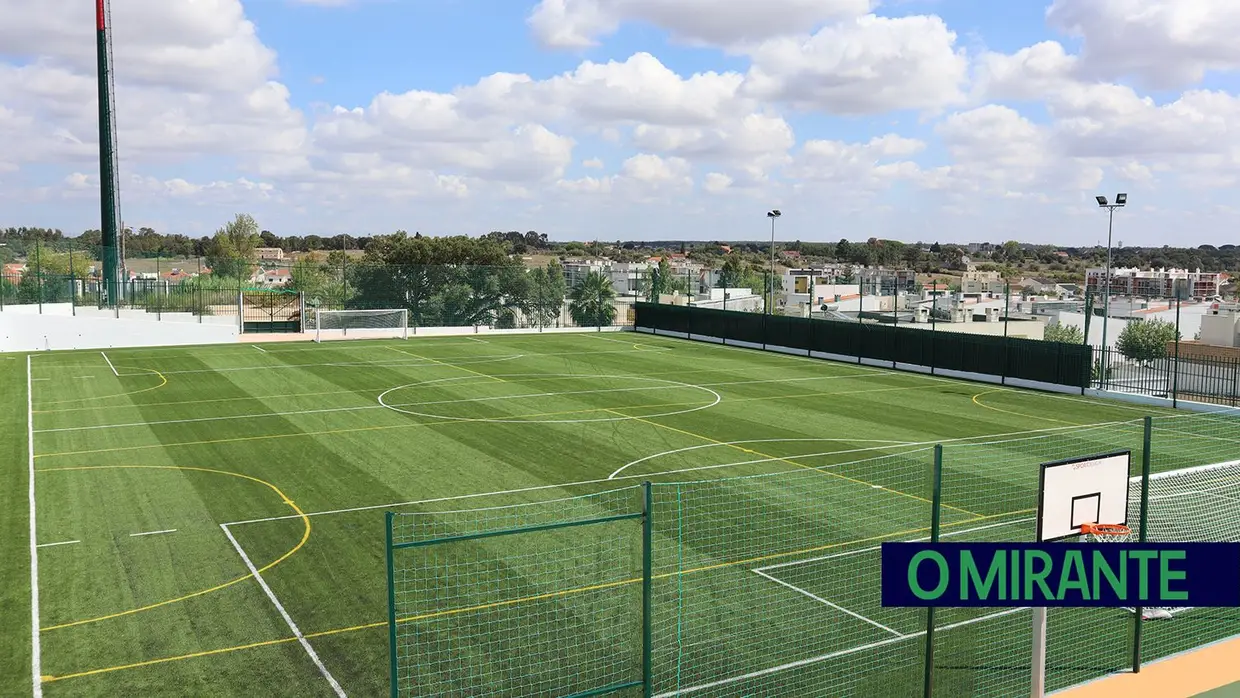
911, 119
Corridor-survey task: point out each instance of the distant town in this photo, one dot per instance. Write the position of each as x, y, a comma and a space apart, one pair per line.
1005, 289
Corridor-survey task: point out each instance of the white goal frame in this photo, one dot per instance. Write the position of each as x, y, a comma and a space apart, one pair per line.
396, 330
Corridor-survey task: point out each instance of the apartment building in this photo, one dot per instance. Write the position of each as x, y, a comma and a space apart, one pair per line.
1155, 283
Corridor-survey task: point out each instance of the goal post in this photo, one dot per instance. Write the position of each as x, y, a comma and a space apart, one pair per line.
361, 324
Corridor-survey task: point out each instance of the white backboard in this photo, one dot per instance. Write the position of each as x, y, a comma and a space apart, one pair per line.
1092, 489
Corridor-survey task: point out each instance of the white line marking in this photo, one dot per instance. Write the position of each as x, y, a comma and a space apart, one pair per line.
535, 488
875, 548
475, 339
40, 379
63, 542
394, 406
830, 655
259, 348
283, 613
464, 361
821, 600
766, 459
36, 660
114, 371
361, 364
152, 533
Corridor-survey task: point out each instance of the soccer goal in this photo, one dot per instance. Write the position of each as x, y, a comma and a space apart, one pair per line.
361, 324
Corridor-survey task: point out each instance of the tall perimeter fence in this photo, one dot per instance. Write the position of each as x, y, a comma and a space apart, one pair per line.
769, 585
1001, 359
510, 296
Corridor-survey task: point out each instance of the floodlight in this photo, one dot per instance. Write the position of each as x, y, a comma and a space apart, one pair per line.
1121, 199
1102, 200
774, 214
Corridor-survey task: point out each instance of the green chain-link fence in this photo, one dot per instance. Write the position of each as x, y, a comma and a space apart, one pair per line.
769, 585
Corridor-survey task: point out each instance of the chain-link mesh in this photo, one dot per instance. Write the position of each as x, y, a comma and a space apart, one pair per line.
769, 585
520, 612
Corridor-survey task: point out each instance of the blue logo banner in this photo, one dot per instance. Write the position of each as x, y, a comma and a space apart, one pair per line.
1060, 574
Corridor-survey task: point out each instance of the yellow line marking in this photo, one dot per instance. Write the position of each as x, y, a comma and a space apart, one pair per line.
979, 403
149, 662
448, 365
807, 467
305, 536
463, 420
527, 599
163, 380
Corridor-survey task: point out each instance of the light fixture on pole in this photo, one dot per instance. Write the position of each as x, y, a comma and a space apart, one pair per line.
770, 308
1120, 201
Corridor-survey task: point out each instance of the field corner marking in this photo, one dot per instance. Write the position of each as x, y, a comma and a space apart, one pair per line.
288, 620
36, 661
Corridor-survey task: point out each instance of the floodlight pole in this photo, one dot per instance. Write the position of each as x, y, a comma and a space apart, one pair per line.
1120, 201
1106, 289
770, 308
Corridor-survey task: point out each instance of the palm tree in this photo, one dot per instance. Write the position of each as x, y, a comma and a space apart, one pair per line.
590, 303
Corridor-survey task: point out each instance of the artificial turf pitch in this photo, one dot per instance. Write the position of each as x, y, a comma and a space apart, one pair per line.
141, 454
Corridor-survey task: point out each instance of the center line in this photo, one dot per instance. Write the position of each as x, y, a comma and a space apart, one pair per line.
151, 533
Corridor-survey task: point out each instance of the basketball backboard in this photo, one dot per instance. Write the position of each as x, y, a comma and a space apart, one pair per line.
1090, 489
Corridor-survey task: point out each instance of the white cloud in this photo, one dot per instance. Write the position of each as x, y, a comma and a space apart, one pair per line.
716, 182
850, 169
868, 65
1165, 43
593, 163
579, 23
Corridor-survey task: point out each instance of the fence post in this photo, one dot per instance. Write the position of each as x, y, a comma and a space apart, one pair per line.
1175, 377
391, 581
38, 273
72, 284
647, 569
935, 505
1141, 533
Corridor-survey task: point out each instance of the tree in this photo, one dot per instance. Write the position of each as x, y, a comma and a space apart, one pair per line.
1065, 334
232, 248
843, 250
547, 296
1146, 341
591, 302
732, 273
451, 281
660, 277
317, 282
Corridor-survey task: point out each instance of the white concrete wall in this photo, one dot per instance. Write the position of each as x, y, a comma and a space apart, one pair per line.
56, 328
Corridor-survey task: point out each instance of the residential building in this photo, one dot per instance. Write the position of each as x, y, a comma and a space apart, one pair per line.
1220, 326
576, 269
269, 254
1156, 283
982, 282
886, 282
271, 278
628, 278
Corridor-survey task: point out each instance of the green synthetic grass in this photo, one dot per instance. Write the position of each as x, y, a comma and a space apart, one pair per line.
191, 438
14, 530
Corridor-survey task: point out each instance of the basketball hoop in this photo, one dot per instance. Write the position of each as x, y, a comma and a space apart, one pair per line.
1104, 531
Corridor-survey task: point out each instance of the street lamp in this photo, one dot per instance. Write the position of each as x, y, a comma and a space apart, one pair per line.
1120, 201
770, 308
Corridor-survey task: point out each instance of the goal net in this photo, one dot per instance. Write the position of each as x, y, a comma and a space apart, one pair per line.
1192, 505
361, 324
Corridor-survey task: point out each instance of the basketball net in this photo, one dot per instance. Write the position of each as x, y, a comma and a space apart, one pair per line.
1116, 533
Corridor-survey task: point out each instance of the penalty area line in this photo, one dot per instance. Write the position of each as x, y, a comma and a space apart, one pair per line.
288, 620
114, 371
